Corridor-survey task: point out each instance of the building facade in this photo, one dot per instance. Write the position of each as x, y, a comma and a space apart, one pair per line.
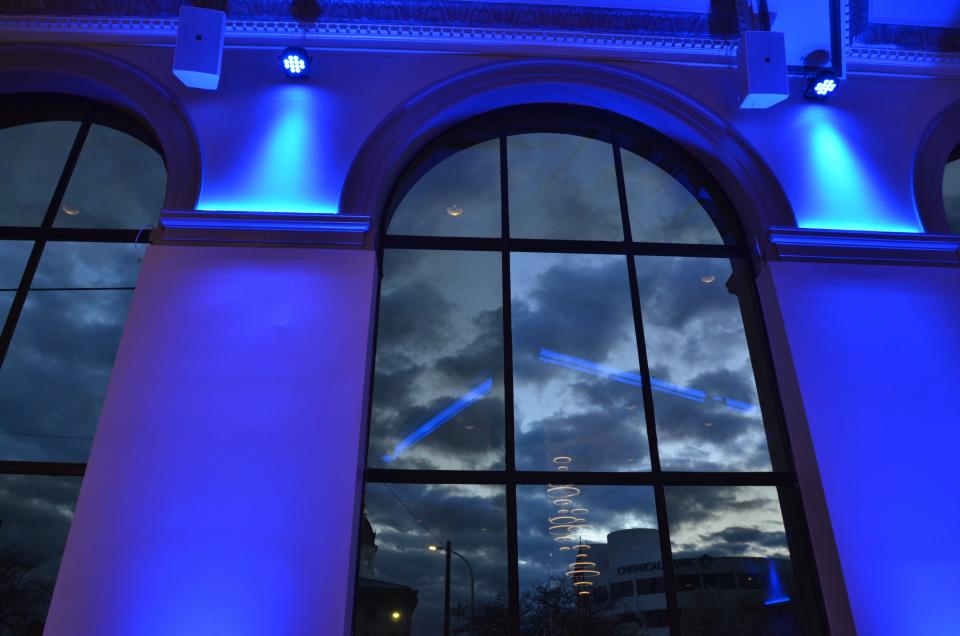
240, 321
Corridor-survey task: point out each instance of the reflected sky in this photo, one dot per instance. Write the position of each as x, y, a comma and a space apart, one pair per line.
562, 187
661, 209
951, 195
460, 196
580, 305
439, 336
408, 518
36, 513
31, 160
54, 376
695, 338
118, 182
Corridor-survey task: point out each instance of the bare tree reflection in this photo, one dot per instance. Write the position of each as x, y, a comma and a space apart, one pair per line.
24, 596
547, 608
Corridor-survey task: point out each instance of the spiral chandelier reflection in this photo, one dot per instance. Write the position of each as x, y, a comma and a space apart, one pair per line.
567, 523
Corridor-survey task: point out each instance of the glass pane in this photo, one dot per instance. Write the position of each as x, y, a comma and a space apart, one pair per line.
86, 265
401, 586
31, 161
438, 388
704, 393
661, 209
460, 196
951, 195
6, 301
36, 513
54, 378
13, 259
590, 560
119, 182
577, 387
731, 560
562, 187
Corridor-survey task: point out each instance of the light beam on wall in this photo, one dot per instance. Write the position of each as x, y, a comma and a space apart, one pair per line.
284, 170
841, 191
439, 419
775, 592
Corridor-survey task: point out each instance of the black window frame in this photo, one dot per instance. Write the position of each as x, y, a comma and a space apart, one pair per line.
621, 133
28, 108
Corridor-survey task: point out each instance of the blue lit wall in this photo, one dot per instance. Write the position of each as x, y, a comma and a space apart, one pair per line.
876, 351
221, 495
271, 152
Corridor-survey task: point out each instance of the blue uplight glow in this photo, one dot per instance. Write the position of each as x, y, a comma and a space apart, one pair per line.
842, 187
775, 593
439, 419
635, 379
284, 164
295, 62
895, 530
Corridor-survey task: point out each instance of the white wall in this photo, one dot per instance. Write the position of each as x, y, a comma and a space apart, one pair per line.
221, 495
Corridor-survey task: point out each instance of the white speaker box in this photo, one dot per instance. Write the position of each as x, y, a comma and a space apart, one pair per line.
199, 52
762, 64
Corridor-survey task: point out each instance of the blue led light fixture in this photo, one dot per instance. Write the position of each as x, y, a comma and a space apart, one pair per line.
822, 85
295, 62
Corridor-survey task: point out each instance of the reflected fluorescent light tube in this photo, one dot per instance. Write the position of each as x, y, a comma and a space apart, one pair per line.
440, 418
626, 377
635, 379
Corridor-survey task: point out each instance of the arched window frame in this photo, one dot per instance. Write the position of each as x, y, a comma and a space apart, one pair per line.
26, 108
621, 133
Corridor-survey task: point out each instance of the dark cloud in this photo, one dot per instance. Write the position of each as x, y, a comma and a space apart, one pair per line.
473, 518
413, 315
562, 187
55, 375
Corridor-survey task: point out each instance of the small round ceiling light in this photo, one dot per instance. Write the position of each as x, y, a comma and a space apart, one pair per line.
70, 210
709, 278
455, 210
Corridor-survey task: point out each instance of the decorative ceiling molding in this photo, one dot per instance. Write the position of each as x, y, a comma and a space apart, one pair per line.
721, 22
891, 47
706, 49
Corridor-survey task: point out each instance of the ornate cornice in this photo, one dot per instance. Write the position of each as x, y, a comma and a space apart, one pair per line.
884, 46
799, 244
260, 228
245, 31
442, 22
721, 21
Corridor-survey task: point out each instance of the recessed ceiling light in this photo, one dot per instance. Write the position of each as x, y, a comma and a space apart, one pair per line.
455, 210
630, 406
708, 424
69, 210
709, 278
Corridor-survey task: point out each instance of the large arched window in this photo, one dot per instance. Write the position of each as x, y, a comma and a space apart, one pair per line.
572, 387
80, 185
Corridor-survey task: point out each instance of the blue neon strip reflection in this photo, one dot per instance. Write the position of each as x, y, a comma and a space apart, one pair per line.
635, 379
775, 593
626, 377
437, 420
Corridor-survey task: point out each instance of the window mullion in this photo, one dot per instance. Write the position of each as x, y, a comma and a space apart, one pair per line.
670, 588
513, 559
20, 298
